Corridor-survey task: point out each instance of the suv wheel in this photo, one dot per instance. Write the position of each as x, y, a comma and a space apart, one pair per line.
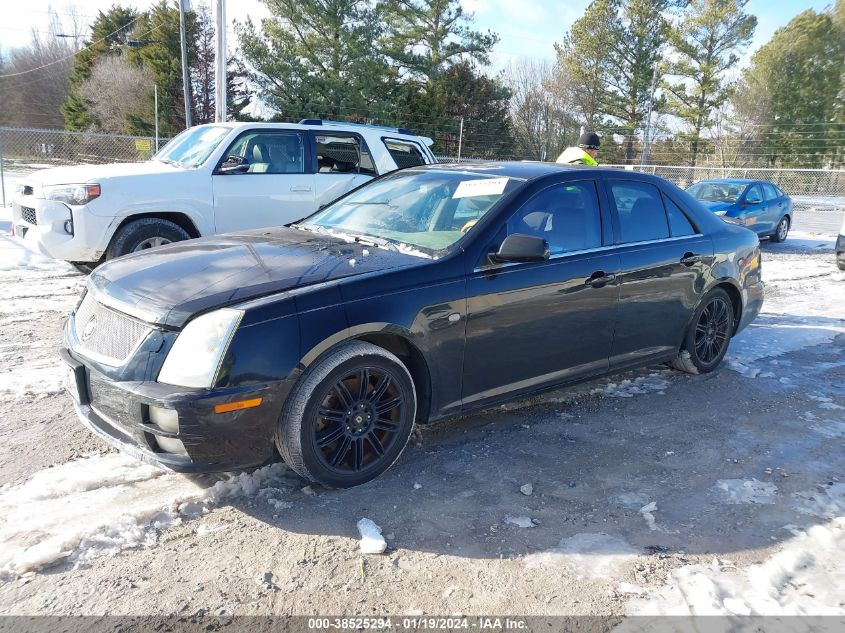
139, 235
349, 417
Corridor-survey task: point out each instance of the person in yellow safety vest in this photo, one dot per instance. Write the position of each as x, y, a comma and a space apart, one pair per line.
586, 152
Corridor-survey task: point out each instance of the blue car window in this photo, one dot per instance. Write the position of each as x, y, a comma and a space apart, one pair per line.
565, 215
770, 191
754, 195
640, 210
678, 221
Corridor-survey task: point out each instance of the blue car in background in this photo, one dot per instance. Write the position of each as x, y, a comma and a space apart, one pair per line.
756, 204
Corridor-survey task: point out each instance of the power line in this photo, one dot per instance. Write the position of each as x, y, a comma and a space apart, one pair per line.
91, 45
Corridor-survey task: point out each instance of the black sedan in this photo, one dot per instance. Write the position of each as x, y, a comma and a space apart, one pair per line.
426, 293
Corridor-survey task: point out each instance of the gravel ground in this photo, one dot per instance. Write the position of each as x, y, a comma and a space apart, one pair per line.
635, 478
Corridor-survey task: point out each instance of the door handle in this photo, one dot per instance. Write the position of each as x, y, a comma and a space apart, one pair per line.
300, 188
599, 279
690, 258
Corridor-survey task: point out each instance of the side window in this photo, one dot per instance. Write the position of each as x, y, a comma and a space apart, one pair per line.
566, 215
754, 195
678, 221
404, 154
771, 191
343, 154
270, 152
640, 210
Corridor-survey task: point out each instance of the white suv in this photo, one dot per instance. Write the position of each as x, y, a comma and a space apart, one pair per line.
209, 179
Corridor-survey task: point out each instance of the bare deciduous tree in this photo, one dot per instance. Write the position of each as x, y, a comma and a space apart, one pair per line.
540, 120
116, 92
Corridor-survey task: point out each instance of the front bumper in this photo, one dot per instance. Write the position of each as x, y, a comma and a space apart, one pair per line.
118, 412
40, 224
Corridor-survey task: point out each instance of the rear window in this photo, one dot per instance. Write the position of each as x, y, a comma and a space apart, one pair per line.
772, 192
343, 154
640, 210
404, 153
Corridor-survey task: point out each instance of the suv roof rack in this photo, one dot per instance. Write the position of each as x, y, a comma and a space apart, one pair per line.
397, 130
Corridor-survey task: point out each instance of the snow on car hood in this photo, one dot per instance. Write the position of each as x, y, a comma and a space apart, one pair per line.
77, 174
170, 284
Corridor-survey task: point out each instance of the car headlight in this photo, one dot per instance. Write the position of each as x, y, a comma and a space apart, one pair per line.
72, 194
722, 212
196, 355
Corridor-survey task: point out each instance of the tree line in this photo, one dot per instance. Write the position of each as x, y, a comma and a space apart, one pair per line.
658, 73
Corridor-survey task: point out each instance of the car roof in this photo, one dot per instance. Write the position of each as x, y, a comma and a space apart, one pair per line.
527, 170
327, 127
737, 181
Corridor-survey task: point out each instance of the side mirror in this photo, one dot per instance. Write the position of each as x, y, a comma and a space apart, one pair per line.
521, 248
234, 165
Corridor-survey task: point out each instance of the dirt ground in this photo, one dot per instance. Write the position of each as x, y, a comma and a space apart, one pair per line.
596, 455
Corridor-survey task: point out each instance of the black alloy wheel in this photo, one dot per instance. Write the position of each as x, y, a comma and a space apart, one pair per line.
349, 416
712, 331
358, 420
708, 334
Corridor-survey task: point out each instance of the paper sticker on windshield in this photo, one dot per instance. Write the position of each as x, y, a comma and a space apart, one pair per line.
482, 187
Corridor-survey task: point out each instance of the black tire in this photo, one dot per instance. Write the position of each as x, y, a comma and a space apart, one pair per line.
708, 335
344, 446
139, 235
840, 265
781, 230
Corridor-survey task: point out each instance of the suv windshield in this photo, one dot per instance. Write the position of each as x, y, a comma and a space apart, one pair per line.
716, 191
192, 147
429, 209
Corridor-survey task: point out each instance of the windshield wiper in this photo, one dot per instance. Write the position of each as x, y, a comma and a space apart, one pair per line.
170, 161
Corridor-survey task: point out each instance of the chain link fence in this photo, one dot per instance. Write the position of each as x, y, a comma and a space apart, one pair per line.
23, 150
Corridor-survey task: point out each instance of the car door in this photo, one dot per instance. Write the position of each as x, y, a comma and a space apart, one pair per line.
264, 179
776, 202
343, 162
663, 258
755, 210
540, 323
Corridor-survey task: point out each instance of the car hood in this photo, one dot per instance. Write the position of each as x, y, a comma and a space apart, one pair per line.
78, 174
717, 206
170, 284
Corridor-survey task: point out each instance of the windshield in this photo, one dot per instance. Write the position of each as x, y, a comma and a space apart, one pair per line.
429, 209
716, 191
192, 147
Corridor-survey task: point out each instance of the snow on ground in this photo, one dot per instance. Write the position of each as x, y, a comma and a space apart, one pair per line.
104, 504
31, 285
589, 555
746, 490
805, 577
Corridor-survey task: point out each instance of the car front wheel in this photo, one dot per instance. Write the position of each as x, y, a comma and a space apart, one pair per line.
781, 231
145, 233
349, 417
708, 335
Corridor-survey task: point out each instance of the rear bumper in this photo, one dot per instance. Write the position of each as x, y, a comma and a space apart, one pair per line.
118, 412
752, 304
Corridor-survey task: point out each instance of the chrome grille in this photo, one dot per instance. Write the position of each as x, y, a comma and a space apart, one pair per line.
106, 335
28, 215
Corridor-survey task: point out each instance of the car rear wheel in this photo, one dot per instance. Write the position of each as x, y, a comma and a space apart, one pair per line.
349, 417
708, 335
781, 231
140, 235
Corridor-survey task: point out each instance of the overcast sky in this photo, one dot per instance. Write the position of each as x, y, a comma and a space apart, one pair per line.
528, 28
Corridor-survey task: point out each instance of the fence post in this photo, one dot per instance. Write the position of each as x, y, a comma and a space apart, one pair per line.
2, 171
460, 139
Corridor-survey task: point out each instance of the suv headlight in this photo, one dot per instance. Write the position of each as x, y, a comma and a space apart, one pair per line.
195, 357
72, 194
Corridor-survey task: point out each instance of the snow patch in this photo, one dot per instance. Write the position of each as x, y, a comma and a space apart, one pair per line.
738, 491
629, 388
590, 555
103, 504
828, 502
523, 522
372, 542
804, 578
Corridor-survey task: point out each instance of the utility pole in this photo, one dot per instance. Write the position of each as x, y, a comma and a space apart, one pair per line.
220, 62
460, 138
155, 100
186, 86
647, 136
